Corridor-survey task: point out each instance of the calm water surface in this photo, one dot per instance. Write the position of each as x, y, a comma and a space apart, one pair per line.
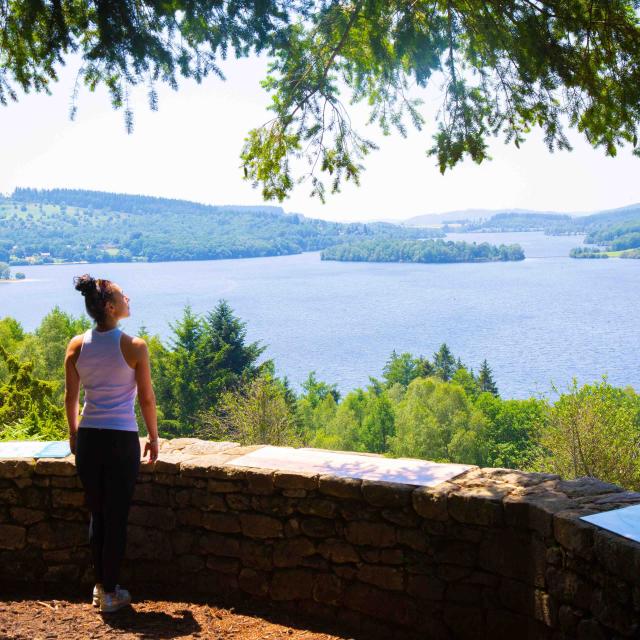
538, 322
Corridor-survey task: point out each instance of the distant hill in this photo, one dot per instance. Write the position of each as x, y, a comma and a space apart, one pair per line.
468, 215
69, 225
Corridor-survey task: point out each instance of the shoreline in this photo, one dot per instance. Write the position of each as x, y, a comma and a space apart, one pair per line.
18, 280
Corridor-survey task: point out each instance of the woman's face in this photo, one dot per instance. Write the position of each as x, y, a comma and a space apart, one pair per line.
118, 306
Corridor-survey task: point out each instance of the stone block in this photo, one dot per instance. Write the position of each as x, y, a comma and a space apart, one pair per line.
64, 498
57, 534
425, 587
190, 563
206, 466
34, 498
182, 542
221, 522
208, 501
569, 588
66, 482
238, 502
318, 527
320, 507
569, 618
328, 589
289, 553
189, 517
223, 486
9, 495
292, 584
272, 505
254, 582
574, 534
72, 555
528, 600
587, 486
477, 505
534, 509
382, 576
295, 493
338, 551
26, 516
223, 564
386, 494
151, 493
12, 537
56, 466
373, 534
154, 517
402, 517
613, 615
17, 468
413, 538
256, 555
513, 553
591, 630
340, 487
465, 621
619, 556
393, 608
298, 480
61, 573
431, 502
448, 551
145, 543
219, 545
259, 482
260, 526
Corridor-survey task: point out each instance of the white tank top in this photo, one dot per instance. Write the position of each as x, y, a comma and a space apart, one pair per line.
109, 382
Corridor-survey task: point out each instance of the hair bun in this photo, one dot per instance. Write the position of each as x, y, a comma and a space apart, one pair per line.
85, 284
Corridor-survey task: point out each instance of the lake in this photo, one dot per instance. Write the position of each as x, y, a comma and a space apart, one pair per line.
538, 322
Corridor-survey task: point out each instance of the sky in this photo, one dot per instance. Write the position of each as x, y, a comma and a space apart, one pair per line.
190, 149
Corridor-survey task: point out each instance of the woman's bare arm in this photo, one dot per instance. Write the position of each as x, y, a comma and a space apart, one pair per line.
72, 389
146, 397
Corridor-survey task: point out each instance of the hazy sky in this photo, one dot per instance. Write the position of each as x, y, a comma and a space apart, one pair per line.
190, 149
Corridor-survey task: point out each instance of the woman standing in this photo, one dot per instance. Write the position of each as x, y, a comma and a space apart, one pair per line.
112, 368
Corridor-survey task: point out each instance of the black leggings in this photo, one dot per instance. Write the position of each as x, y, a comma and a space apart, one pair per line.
108, 461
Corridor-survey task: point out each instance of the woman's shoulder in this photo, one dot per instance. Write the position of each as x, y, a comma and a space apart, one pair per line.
133, 347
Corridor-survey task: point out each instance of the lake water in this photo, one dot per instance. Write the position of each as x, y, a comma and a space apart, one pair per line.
540, 321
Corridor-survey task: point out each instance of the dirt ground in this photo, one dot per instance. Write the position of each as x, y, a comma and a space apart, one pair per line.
76, 619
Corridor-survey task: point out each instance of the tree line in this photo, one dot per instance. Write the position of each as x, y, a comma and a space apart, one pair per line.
210, 382
429, 251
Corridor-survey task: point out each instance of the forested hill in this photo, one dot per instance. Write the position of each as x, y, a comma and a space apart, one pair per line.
64, 225
430, 251
556, 223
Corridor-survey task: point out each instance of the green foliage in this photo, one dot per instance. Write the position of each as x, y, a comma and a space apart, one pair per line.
505, 67
5, 271
108, 227
435, 420
587, 253
28, 409
594, 430
444, 363
422, 251
257, 413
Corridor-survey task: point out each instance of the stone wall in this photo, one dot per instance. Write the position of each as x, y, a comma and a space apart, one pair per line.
493, 553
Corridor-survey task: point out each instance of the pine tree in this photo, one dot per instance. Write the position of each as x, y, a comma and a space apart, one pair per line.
444, 362
485, 379
224, 359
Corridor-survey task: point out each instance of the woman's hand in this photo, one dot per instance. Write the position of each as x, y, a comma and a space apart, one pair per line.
152, 447
72, 442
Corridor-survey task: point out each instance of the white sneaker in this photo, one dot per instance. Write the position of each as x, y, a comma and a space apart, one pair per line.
110, 602
98, 592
